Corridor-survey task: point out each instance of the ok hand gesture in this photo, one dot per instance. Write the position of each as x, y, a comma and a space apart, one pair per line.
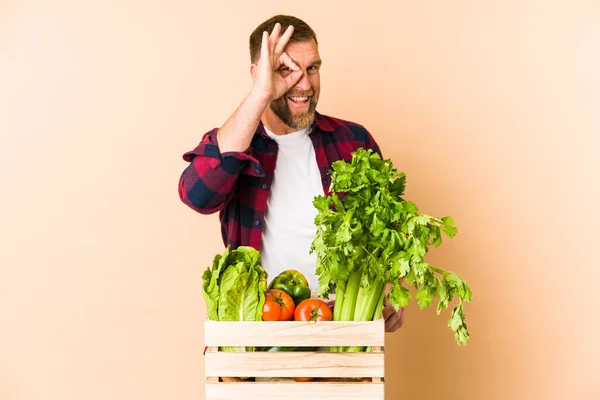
269, 84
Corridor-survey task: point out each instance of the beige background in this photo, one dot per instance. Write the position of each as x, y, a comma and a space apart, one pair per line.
492, 108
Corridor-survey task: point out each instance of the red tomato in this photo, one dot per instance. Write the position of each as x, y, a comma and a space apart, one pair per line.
303, 379
312, 310
279, 306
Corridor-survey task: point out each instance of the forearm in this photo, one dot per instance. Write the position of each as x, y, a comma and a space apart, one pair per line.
207, 183
206, 189
236, 134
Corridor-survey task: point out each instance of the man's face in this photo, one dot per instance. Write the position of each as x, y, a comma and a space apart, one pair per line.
297, 107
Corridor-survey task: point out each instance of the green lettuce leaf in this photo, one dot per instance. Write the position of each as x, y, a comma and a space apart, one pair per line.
211, 283
234, 287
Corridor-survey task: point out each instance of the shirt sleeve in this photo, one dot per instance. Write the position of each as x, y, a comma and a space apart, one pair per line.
208, 183
370, 143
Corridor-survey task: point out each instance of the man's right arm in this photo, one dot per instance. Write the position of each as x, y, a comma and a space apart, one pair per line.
236, 134
208, 183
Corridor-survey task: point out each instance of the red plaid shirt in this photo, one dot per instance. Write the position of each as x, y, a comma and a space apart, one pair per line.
237, 184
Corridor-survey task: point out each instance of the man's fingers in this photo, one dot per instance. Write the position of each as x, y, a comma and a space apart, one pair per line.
397, 324
264, 46
285, 59
293, 78
388, 311
274, 36
283, 40
401, 319
395, 320
388, 287
391, 321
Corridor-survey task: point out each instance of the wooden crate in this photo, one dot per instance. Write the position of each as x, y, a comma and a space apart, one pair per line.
274, 365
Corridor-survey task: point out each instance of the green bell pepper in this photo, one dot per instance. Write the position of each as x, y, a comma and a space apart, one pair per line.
293, 283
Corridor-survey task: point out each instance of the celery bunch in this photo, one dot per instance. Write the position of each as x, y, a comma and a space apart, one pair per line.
369, 236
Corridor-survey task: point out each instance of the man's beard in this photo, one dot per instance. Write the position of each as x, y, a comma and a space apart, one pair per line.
303, 118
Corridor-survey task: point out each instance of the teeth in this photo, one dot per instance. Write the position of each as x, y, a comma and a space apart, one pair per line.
299, 99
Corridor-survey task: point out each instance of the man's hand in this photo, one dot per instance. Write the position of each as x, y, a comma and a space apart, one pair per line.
393, 319
269, 84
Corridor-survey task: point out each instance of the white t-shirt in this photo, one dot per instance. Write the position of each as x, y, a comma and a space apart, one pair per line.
289, 227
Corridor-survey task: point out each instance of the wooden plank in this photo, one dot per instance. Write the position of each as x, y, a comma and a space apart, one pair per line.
294, 333
295, 364
295, 391
377, 379
212, 379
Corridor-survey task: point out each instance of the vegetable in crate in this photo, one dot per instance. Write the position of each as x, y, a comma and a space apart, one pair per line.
293, 283
369, 236
312, 310
234, 288
279, 306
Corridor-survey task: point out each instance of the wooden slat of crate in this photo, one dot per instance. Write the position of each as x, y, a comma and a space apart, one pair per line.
284, 333
295, 391
298, 364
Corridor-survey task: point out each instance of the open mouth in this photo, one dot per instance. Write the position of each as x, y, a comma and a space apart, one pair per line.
299, 99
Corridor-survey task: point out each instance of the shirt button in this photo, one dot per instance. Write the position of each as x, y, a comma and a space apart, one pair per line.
258, 170
264, 186
257, 222
271, 154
